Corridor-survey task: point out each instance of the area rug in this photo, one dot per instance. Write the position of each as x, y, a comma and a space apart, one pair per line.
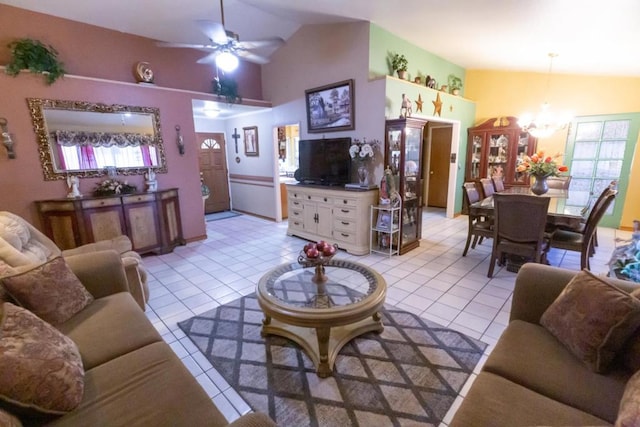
220, 215
409, 374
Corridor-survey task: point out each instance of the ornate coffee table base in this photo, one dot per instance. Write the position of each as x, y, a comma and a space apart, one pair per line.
322, 345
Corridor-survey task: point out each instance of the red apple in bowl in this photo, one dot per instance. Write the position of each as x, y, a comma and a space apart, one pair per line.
312, 253
320, 245
329, 250
309, 246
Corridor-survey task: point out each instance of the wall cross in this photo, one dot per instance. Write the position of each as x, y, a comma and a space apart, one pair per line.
236, 136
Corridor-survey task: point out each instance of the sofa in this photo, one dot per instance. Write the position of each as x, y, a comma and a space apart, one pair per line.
23, 244
534, 377
131, 376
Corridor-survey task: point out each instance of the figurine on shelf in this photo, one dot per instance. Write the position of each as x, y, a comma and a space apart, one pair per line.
73, 182
405, 109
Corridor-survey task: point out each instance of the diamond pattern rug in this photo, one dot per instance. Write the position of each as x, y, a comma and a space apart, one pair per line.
409, 374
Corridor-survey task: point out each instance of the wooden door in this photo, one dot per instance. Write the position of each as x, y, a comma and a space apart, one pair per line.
213, 167
439, 166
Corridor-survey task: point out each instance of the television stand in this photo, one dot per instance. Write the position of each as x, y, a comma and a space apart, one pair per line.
334, 214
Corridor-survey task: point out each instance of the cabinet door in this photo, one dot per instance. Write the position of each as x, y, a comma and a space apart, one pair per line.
525, 145
475, 170
325, 220
411, 187
498, 152
142, 221
104, 219
310, 217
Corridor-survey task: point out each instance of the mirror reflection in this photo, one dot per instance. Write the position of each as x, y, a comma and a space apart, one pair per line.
87, 139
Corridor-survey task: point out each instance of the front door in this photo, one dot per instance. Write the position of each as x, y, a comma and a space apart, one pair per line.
213, 169
439, 166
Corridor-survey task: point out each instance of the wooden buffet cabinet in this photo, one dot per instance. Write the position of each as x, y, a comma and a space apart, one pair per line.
151, 220
335, 215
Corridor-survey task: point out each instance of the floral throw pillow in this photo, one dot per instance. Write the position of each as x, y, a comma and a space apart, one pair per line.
593, 319
46, 372
50, 290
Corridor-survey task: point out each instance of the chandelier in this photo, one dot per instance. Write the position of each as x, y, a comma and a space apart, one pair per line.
545, 123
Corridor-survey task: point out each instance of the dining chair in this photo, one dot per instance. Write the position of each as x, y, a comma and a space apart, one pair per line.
498, 183
559, 182
487, 187
479, 225
583, 241
518, 228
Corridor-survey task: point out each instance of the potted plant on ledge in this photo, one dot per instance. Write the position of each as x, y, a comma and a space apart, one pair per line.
32, 55
399, 64
455, 84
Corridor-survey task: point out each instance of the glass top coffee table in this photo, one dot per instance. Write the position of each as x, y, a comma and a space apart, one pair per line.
321, 313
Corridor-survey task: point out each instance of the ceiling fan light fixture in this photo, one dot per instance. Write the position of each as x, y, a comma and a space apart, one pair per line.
227, 61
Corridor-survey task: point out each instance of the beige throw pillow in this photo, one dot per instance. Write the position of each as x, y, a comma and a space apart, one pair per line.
593, 319
629, 413
42, 369
50, 290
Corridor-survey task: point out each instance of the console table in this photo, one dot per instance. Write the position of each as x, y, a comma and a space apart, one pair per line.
151, 220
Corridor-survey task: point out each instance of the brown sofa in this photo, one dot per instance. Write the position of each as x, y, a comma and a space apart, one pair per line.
132, 377
530, 378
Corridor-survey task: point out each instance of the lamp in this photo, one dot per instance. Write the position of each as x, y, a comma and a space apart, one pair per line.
227, 61
545, 123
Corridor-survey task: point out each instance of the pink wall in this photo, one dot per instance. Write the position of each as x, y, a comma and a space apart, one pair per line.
98, 54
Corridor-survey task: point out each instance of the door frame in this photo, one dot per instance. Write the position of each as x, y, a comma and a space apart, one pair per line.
276, 169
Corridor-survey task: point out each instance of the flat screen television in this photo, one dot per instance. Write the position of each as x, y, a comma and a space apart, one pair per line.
324, 161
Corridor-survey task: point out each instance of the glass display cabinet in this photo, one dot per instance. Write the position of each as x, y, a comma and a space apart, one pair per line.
496, 148
403, 155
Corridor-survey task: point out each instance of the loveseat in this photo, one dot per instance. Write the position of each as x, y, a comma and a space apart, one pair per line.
533, 378
131, 376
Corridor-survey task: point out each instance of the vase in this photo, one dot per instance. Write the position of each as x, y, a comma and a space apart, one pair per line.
363, 175
539, 186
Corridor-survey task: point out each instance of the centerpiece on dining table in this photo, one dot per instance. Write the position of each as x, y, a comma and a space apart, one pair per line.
540, 167
317, 255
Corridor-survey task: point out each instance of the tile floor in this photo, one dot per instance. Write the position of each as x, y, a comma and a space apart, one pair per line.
433, 281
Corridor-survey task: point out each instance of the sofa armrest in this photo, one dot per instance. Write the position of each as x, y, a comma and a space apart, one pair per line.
537, 286
120, 244
102, 273
253, 419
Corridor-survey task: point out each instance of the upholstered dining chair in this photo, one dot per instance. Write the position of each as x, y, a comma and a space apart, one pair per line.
486, 184
498, 183
583, 241
518, 228
22, 244
559, 182
479, 227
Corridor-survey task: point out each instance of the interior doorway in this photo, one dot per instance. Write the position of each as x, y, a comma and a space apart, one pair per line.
213, 170
438, 154
286, 138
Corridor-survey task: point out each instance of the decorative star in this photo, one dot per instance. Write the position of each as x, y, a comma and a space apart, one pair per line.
419, 103
437, 105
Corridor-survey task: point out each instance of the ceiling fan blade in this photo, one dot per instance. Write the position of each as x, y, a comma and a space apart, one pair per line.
255, 44
186, 45
252, 57
209, 59
213, 30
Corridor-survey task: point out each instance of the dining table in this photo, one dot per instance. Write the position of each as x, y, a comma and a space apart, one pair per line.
559, 213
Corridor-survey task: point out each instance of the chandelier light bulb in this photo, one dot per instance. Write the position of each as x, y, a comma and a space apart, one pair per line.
227, 61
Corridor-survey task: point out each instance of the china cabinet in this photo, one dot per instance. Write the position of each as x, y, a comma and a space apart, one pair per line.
151, 220
403, 155
495, 148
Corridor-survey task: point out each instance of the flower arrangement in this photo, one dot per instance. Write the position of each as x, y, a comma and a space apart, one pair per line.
109, 187
541, 165
362, 150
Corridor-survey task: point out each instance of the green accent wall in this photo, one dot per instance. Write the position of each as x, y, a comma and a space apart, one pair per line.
383, 44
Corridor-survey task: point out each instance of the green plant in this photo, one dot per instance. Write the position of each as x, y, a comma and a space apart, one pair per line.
399, 62
32, 55
455, 82
228, 88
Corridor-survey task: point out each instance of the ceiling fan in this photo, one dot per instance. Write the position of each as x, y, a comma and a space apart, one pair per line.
225, 46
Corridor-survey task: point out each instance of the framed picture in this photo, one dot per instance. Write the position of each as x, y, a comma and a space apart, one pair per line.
330, 108
251, 141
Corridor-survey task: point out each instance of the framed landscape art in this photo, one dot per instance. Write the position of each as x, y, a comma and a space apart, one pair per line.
330, 108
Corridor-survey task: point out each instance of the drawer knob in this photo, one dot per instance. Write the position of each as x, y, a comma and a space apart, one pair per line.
325, 199
345, 210
345, 223
344, 235
344, 201
309, 197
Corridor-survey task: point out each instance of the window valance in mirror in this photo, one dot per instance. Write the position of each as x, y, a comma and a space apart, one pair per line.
127, 138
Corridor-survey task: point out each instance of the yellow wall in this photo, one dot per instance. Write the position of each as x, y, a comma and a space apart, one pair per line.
503, 93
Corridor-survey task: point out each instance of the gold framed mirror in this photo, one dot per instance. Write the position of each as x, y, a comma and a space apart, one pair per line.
88, 139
